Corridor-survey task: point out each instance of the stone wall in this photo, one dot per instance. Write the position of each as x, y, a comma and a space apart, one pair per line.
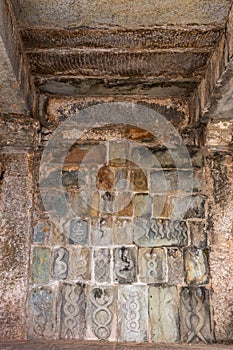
114, 262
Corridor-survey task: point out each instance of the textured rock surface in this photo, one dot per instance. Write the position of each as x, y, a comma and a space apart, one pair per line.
15, 223
148, 13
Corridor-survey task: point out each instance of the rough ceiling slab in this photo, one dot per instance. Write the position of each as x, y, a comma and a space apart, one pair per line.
128, 13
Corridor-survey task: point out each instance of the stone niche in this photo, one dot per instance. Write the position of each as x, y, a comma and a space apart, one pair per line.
114, 262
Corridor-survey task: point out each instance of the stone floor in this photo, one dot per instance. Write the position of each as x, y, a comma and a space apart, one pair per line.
74, 345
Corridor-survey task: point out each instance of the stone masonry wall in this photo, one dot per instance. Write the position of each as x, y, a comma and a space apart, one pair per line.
120, 268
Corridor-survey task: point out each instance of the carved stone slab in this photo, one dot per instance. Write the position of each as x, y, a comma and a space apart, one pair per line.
41, 324
164, 316
78, 232
125, 264
158, 233
60, 263
73, 307
101, 315
175, 266
195, 315
152, 265
102, 259
79, 263
102, 231
133, 313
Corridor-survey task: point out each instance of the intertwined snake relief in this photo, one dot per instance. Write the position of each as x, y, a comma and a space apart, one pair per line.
133, 316
71, 310
102, 317
192, 301
42, 300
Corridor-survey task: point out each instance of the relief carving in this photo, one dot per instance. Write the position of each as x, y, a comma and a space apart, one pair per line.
102, 265
60, 264
41, 323
195, 315
72, 311
132, 313
158, 232
125, 264
102, 315
152, 265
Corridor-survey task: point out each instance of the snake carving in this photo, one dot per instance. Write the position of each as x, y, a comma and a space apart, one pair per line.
102, 299
71, 310
195, 320
60, 263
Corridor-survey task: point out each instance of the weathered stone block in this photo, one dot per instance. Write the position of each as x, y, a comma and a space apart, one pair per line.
121, 179
78, 233
118, 152
60, 263
79, 264
125, 204
55, 202
101, 313
102, 258
123, 231
142, 205
172, 181
72, 313
175, 266
41, 232
74, 178
41, 265
152, 265
138, 180
195, 315
133, 313
86, 153
125, 264
196, 266
105, 178
59, 232
108, 202
81, 203
102, 231
164, 314
178, 207
41, 318
198, 234
158, 232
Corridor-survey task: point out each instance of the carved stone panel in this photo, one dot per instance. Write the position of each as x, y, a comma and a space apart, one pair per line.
133, 313
102, 260
175, 266
60, 263
41, 265
78, 232
102, 231
152, 265
164, 316
79, 263
101, 313
73, 307
195, 315
125, 264
196, 266
123, 231
158, 232
41, 324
